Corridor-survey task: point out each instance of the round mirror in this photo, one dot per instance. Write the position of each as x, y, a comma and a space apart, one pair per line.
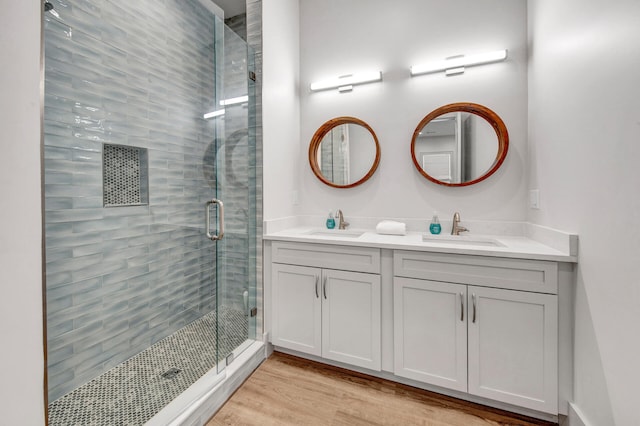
459, 144
344, 152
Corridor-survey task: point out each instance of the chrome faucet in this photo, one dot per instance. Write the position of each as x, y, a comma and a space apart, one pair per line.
456, 229
341, 223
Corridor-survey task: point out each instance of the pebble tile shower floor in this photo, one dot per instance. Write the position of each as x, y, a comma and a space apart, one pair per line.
134, 391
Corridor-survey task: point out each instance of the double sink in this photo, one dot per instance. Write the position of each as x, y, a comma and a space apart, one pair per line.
448, 240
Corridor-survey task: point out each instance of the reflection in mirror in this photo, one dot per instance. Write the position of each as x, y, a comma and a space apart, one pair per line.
344, 152
457, 147
459, 144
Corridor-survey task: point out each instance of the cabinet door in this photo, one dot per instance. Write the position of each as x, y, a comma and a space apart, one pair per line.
513, 347
297, 308
430, 332
351, 318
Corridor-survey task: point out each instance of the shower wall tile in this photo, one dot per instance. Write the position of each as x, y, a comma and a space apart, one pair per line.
58, 254
54, 190
57, 165
56, 304
76, 289
87, 202
127, 274
134, 214
84, 336
62, 377
99, 269
59, 355
67, 317
58, 153
61, 238
104, 224
60, 178
60, 278
58, 329
74, 264
116, 331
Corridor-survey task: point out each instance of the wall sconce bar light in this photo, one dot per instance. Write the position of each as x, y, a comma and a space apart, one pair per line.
455, 64
345, 83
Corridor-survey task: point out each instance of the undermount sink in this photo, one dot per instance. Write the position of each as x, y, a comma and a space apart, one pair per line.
336, 233
462, 240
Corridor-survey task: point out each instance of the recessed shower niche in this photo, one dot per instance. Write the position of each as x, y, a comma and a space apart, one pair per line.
125, 175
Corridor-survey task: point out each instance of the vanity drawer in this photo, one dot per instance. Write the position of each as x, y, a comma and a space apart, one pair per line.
515, 274
360, 259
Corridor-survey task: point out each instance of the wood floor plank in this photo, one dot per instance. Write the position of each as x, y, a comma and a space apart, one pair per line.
287, 390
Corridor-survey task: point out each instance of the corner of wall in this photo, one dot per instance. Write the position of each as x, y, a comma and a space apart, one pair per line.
22, 387
281, 106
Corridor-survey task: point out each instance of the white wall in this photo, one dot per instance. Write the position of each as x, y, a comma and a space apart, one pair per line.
338, 37
584, 129
281, 105
21, 387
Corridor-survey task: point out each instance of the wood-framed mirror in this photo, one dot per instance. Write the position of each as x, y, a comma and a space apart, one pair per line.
344, 152
459, 144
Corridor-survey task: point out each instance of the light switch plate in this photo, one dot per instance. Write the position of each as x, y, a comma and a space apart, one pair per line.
534, 199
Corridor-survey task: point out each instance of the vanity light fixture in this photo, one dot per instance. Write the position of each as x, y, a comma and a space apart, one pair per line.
345, 83
456, 64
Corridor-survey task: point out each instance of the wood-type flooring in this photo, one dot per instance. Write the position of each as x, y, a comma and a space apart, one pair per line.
287, 390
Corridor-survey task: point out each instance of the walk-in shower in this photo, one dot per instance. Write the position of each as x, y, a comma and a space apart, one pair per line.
149, 116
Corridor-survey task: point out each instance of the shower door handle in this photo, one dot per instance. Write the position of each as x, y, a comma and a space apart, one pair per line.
207, 215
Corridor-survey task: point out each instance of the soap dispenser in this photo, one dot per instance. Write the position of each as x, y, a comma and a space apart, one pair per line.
435, 227
331, 223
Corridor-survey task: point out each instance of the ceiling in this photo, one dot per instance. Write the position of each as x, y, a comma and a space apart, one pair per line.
232, 7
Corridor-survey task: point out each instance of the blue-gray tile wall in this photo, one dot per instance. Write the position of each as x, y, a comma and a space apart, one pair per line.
119, 279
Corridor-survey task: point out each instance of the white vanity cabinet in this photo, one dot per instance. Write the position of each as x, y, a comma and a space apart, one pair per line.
486, 326
326, 301
430, 332
513, 347
491, 326
297, 308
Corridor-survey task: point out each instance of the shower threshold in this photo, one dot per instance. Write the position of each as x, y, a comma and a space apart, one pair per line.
136, 390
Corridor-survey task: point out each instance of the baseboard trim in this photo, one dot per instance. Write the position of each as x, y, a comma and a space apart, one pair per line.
576, 418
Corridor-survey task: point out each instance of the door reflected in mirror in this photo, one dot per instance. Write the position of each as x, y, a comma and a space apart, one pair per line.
457, 147
459, 144
344, 152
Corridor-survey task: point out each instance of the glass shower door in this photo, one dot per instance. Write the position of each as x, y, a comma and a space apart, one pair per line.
235, 163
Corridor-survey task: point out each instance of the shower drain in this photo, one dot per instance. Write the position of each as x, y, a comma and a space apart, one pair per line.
171, 373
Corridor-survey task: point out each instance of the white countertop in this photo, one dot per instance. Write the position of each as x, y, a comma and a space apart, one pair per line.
517, 247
